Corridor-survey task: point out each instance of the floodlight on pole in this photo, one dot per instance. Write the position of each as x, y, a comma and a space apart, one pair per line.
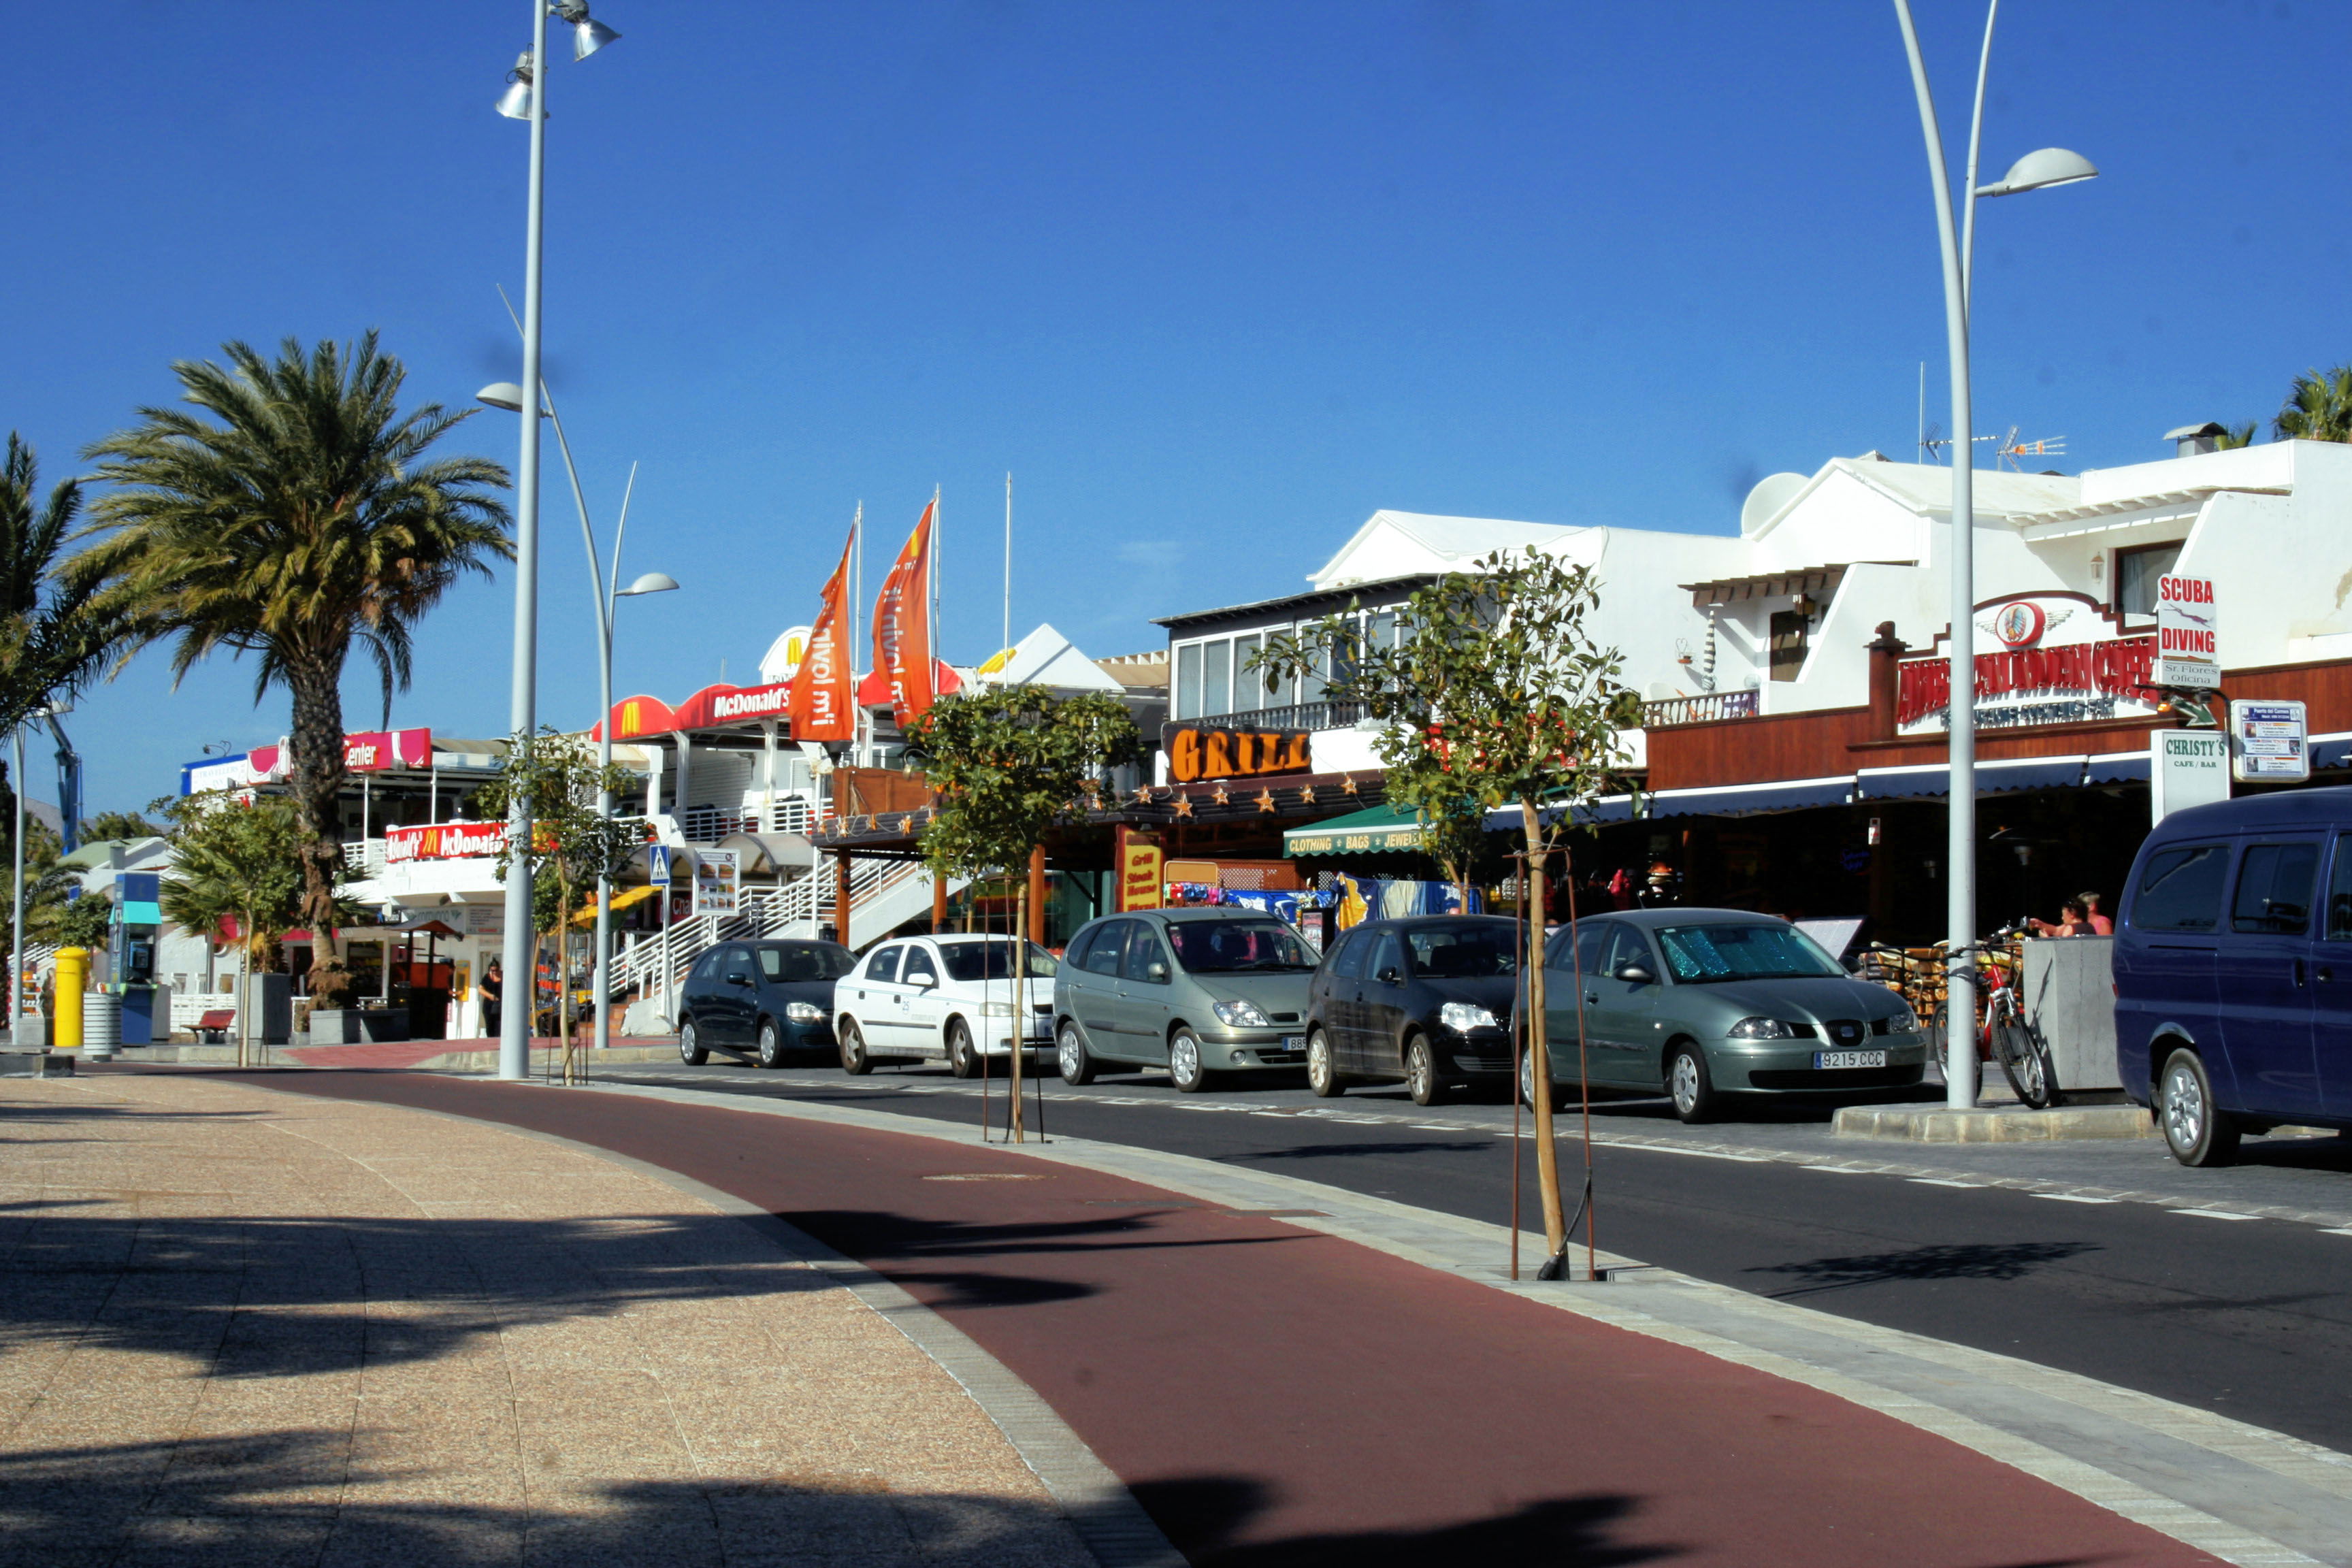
2040, 171
515, 102
588, 34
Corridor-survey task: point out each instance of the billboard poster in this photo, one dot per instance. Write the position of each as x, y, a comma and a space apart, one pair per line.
1140, 878
715, 874
2269, 743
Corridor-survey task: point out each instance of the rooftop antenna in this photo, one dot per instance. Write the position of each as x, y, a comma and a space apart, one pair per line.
2014, 450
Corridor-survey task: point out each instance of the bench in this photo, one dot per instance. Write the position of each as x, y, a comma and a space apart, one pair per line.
214, 1025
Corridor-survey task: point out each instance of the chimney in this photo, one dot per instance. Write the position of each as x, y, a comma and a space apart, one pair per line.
1886, 651
2191, 439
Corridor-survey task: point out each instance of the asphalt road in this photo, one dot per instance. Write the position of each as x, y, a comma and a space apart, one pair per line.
2249, 1318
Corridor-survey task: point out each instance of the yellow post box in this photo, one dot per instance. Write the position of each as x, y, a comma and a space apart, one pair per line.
73, 975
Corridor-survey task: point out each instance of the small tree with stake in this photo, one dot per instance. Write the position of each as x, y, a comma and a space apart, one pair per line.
572, 844
1496, 695
1009, 763
236, 865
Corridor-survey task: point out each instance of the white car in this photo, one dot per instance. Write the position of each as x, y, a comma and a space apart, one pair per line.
949, 998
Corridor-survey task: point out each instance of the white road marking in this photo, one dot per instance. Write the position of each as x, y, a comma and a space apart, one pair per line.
2071, 1198
2216, 1214
1939, 1181
1837, 1170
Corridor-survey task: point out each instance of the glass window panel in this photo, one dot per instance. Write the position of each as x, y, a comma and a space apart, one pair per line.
1381, 629
2339, 892
2181, 890
1249, 685
1188, 681
2135, 574
1217, 677
2275, 889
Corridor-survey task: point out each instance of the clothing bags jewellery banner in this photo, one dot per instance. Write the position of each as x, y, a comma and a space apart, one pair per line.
820, 708
902, 623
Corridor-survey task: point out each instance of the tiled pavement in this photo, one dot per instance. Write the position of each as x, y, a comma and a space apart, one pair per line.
242, 1327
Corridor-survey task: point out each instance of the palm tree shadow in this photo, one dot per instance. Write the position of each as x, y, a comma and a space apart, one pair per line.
1997, 1260
1207, 1517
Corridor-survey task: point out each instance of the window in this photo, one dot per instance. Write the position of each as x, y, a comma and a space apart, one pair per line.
1109, 947
814, 960
1249, 685
1381, 629
1593, 939
2181, 890
1388, 961
1788, 638
1458, 952
1145, 960
736, 967
884, 965
1216, 676
2275, 889
969, 962
1228, 947
1348, 962
1188, 681
1703, 955
2339, 892
1629, 949
706, 966
2135, 574
920, 968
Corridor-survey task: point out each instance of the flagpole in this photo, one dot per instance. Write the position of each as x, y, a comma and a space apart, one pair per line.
931, 622
1008, 560
856, 597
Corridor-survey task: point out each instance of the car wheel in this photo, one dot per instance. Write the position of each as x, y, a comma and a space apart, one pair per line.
962, 1060
690, 1049
1322, 1072
772, 1043
1690, 1084
1528, 1080
2198, 1131
1184, 1068
1070, 1054
1420, 1080
854, 1060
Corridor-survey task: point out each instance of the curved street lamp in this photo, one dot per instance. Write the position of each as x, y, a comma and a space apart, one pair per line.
2035, 171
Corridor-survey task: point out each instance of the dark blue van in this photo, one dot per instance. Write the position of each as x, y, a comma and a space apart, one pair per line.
2233, 971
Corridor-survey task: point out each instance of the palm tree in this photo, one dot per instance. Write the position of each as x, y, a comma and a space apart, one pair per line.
52, 638
2318, 407
291, 515
2239, 435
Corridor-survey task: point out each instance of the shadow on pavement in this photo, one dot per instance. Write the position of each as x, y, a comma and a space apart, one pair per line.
2003, 1260
300, 1496
1349, 1151
1208, 1519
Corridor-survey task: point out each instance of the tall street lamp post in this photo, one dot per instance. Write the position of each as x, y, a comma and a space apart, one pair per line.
2050, 166
526, 98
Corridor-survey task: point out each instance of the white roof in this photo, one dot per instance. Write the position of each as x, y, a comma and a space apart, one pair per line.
1403, 544
1046, 658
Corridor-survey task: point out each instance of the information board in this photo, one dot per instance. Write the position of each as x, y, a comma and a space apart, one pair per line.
2269, 743
2186, 768
716, 873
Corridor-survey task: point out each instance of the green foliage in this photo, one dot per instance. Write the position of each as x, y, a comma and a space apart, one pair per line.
2242, 434
290, 512
1009, 763
1494, 691
2318, 407
53, 638
80, 922
235, 862
119, 824
573, 843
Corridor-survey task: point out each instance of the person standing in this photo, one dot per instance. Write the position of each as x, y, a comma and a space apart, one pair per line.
493, 994
2100, 924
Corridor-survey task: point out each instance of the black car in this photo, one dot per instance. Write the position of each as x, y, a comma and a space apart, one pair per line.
765, 997
1426, 1000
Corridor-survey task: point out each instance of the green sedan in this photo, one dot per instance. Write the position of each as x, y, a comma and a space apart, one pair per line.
1706, 1002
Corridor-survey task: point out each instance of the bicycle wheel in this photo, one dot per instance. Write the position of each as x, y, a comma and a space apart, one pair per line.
2024, 1061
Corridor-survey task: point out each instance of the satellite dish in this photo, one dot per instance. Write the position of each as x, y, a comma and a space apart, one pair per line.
1772, 492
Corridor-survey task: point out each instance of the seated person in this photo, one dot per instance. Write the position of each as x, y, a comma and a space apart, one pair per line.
2073, 920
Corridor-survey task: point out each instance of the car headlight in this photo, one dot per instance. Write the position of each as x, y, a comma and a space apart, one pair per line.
996, 1009
1241, 1015
1761, 1029
804, 1013
1464, 1016
1906, 1022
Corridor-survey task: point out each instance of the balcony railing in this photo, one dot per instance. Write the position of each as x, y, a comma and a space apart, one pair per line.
1704, 709
1297, 716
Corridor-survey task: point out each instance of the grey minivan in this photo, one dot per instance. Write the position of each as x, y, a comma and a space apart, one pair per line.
1194, 991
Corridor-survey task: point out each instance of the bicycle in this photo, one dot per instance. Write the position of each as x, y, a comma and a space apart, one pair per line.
2007, 1037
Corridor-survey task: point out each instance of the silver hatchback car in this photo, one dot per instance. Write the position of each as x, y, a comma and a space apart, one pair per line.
1194, 991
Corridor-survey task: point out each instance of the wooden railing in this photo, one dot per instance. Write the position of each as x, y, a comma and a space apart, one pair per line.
1705, 708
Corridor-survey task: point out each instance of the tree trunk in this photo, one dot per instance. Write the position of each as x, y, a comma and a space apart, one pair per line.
1538, 1053
316, 775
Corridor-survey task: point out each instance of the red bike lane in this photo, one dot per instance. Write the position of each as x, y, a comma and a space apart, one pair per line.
1277, 1396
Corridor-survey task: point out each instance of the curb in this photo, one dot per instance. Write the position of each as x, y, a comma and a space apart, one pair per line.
2005, 1125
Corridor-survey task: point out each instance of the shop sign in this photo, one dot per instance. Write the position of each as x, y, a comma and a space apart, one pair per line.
2186, 768
1139, 879
2069, 683
717, 874
369, 752
1195, 754
474, 919
2269, 743
2188, 634
444, 841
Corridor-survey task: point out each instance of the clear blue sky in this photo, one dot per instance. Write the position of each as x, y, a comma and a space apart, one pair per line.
1215, 281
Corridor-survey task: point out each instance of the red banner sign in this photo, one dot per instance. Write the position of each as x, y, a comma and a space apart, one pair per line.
2117, 668
820, 706
370, 752
902, 623
444, 841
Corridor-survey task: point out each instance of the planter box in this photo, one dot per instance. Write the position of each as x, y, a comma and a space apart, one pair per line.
357, 1025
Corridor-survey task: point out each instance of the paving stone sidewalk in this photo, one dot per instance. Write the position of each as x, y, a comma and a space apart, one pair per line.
242, 1327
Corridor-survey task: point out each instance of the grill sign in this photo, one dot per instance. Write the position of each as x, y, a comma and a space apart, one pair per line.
2188, 633
1194, 754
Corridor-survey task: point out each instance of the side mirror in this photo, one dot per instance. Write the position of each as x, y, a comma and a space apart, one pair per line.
1389, 976
1636, 975
928, 981
1156, 972
744, 980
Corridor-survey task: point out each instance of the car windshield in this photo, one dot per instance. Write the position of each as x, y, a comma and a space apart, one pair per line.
991, 960
1227, 947
1702, 955
1462, 952
814, 961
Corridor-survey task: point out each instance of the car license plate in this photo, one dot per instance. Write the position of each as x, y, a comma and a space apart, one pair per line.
1294, 1042
1849, 1058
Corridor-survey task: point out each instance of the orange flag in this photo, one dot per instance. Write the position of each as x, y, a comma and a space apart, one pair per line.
820, 707
902, 624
